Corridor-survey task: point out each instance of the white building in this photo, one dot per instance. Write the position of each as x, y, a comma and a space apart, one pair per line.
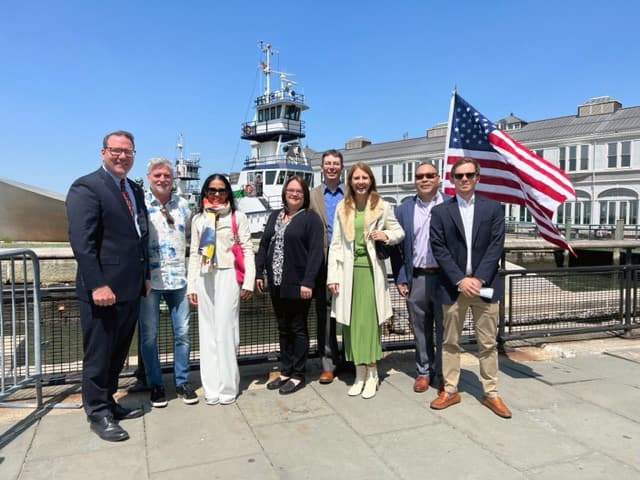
598, 147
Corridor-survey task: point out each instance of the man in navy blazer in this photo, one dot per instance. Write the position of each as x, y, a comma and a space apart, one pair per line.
467, 238
108, 234
417, 275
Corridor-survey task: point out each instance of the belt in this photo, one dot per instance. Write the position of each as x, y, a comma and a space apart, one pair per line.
425, 271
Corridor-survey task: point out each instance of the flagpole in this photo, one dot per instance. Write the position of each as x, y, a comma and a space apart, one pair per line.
448, 137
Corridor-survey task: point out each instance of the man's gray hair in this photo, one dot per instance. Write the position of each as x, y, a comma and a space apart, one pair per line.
156, 161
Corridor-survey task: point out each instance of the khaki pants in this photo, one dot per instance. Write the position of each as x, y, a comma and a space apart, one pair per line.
485, 317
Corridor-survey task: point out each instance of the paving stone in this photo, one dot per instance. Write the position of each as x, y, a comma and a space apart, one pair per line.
522, 441
590, 467
181, 435
320, 448
596, 428
239, 468
127, 464
440, 450
264, 406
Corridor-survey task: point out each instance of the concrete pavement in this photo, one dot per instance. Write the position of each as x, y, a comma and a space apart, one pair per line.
575, 415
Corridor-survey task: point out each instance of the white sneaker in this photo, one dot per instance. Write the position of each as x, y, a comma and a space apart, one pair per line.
212, 401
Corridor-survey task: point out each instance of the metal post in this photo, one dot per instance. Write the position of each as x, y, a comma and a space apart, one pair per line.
628, 284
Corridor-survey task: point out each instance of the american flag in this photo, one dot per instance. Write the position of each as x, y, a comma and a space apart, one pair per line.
509, 171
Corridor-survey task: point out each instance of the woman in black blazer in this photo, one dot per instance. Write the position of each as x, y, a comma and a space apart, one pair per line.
291, 253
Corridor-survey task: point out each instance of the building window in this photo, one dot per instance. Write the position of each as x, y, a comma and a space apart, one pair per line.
562, 163
408, 169
612, 155
560, 214
572, 158
387, 174
525, 215
625, 154
540, 153
584, 157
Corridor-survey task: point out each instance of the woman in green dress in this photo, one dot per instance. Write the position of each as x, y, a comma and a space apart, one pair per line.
357, 278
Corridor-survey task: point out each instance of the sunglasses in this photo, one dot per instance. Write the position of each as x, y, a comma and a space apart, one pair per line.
167, 215
469, 175
213, 191
430, 176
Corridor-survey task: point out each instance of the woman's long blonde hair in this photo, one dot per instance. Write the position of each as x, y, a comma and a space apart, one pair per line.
349, 197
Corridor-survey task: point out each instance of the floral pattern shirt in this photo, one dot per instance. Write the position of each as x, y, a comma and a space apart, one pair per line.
169, 233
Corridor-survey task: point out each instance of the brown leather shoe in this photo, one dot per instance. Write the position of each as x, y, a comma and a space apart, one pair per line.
497, 406
444, 400
326, 377
421, 384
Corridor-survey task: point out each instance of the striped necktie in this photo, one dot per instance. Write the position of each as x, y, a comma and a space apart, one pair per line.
126, 196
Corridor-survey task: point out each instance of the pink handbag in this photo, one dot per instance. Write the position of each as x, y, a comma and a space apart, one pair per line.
236, 249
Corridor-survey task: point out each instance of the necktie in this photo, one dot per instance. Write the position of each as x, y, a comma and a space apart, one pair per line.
126, 196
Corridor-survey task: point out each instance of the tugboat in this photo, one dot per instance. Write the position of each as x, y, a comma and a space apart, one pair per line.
276, 151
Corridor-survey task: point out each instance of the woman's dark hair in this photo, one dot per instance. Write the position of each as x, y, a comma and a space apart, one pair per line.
305, 189
205, 188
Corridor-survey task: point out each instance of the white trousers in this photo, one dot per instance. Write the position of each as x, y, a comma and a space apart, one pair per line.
218, 323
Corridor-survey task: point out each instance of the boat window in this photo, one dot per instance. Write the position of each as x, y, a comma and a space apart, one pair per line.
261, 115
290, 112
308, 177
279, 111
273, 113
270, 177
280, 180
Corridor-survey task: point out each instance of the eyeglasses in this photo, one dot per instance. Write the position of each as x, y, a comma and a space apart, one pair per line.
167, 215
116, 152
294, 192
430, 176
469, 175
214, 191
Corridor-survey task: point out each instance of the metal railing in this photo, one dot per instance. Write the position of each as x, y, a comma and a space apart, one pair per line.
537, 304
20, 360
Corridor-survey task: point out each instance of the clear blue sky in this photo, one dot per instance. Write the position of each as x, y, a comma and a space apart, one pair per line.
74, 70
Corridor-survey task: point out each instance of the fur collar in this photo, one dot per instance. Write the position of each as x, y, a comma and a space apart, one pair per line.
347, 218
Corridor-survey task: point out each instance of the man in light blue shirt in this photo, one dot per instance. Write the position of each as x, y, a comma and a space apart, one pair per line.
417, 276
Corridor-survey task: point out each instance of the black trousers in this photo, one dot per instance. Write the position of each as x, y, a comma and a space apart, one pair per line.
106, 338
327, 340
293, 334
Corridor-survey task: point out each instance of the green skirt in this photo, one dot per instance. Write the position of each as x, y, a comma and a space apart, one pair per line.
362, 337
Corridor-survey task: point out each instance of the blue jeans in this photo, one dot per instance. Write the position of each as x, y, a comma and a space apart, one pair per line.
149, 321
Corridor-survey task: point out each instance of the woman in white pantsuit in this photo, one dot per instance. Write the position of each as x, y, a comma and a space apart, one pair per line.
212, 286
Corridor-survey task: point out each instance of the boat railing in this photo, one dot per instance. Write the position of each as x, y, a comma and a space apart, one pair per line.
277, 125
252, 162
278, 96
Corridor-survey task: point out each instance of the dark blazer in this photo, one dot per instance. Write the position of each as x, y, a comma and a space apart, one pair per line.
303, 253
104, 239
450, 248
402, 254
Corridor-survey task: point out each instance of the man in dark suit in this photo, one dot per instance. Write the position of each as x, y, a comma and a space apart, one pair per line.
467, 239
108, 234
417, 275
324, 199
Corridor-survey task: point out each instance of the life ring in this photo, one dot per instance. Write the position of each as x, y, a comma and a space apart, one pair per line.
248, 188
246, 129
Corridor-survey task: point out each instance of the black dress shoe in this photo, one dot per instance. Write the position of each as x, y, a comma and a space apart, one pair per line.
107, 429
277, 383
290, 387
124, 413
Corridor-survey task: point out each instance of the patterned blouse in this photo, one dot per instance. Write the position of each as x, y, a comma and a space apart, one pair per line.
278, 245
